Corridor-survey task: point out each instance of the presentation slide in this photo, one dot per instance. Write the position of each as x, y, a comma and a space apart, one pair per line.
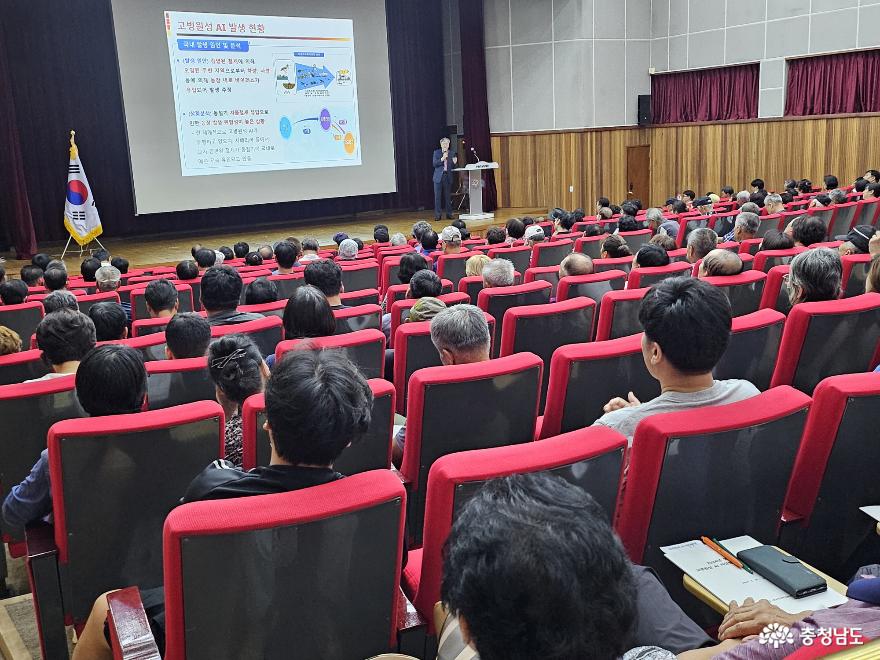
259, 93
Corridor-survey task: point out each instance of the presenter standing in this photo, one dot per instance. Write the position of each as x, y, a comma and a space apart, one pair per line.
444, 161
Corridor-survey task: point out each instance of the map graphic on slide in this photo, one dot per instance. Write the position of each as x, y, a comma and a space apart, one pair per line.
255, 94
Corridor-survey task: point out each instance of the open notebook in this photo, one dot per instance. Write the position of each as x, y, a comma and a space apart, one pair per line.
727, 582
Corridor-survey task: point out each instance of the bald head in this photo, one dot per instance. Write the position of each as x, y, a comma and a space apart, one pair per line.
720, 262
576, 264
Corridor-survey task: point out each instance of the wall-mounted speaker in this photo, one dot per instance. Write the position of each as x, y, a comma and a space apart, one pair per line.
644, 109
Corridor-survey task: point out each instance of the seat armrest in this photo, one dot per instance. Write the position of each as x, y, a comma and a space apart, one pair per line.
412, 628
39, 539
45, 580
130, 635
406, 483
789, 516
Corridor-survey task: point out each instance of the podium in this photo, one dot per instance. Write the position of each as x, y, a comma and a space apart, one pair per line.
475, 190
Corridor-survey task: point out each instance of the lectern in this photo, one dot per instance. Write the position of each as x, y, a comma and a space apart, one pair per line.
475, 190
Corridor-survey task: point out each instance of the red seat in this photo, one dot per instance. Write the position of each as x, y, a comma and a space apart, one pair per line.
590, 458
390, 269
287, 284
357, 276
362, 317
400, 309
266, 309
844, 217
546, 273
366, 348
151, 346
619, 314
867, 212
753, 349
744, 290
590, 245
265, 332
175, 382
617, 263
452, 266
750, 246
22, 366
362, 297
550, 253
497, 300
775, 294
139, 304
648, 277
591, 286
828, 338
23, 318
520, 257
636, 239
471, 286
333, 552
87, 301
855, 274
688, 223
826, 214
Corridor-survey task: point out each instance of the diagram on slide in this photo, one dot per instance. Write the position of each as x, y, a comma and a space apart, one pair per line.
263, 93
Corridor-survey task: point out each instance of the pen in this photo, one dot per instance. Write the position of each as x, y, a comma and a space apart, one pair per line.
721, 551
744, 565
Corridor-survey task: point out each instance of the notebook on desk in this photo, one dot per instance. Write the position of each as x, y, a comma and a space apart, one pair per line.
727, 582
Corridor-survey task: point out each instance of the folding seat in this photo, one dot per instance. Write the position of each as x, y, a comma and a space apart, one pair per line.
151, 346
394, 293
352, 319
844, 216
768, 222
687, 224
390, 269
619, 263
677, 255
266, 309
584, 377
144, 279
111, 535
359, 276
828, 338
590, 245
744, 290
750, 246
541, 329
648, 277
19, 367
753, 349
636, 239
735, 459
173, 382
547, 226
767, 259
332, 554
520, 257
581, 227
722, 223
591, 286
452, 266
835, 474
139, 303
372, 452
23, 318
465, 406
867, 212
855, 274
362, 297
366, 348
287, 284
196, 286
550, 253
474, 242
400, 309
775, 294
40, 297
826, 214
545, 273
391, 251
619, 314
497, 300
265, 332
590, 458
471, 286
833, 245
85, 302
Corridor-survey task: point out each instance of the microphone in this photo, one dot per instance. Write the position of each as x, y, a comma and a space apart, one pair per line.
474, 152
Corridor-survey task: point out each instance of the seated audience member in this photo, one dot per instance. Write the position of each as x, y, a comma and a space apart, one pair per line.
308, 314
110, 322
757, 185
700, 242
221, 292
309, 251
515, 229
326, 276
592, 230
688, 197
602, 202
830, 182
187, 336
241, 249
750, 207
665, 241
585, 599
103, 256
757, 198
31, 275
650, 256
872, 281
575, 263
837, 196
265, 252
496, 236
286, 254
338, 237
628, 223
703, 205
88, 268
187, 270
654, 218
109, 279
787, 197
744, 228
238, 371
534, 235
195, 248
41, 261
398, 239
776, 240
56, 263
742, 197
423, 283
261, 290
805, 186
205, 258
10, 342
720, 262
425, 309
774, 204
687, 329
726, 194
615, 247
410, 264
111, 380
821, 200
872, 191
451, 237
473, 267
419, 228
605, 213
253, 259
806, 230
348, 250
60, 300
64, 337
162, 299
677, 206
856, 241
120, 264
428, 242
55, 279
462, 228
564, 223
872, 176
380, 234
226, 252
498, 272
815, 275
13, 292
305, 443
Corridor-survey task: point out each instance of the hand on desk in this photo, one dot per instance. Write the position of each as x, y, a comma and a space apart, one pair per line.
750, 618
617, 403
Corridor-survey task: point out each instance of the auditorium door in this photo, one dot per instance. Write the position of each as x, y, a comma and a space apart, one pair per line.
638, 173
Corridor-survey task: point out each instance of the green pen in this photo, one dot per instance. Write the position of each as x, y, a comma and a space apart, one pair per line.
745, 566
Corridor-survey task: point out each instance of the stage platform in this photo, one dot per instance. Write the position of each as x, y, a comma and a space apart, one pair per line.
171, 249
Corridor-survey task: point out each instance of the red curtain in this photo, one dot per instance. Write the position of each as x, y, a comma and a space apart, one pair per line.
834, 84
705, 95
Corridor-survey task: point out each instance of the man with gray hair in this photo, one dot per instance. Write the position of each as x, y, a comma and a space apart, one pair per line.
837, 196
420, 228
774, 204
348, 250
815, 275
750, 207
745, 227
498, 272
108, 278
654, 218
700, 242
720, 263
742, 197
398, 239
59, 300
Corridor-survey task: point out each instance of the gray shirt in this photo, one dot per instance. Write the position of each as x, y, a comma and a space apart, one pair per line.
722, 392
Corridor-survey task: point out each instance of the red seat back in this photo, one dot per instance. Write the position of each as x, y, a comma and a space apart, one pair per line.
497, 300
619, 314
366, 348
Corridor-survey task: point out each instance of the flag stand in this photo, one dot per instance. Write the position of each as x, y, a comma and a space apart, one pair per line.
81, 247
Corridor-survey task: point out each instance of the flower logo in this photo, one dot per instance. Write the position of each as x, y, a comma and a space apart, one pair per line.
776, 635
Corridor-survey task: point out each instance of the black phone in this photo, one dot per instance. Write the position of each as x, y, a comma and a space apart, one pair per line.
783, 570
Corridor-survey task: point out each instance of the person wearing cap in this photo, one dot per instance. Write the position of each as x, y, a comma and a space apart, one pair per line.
339, 237
534, 235
451, 237
108, 279
703, 205
425, 309
856, 241
348, 250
